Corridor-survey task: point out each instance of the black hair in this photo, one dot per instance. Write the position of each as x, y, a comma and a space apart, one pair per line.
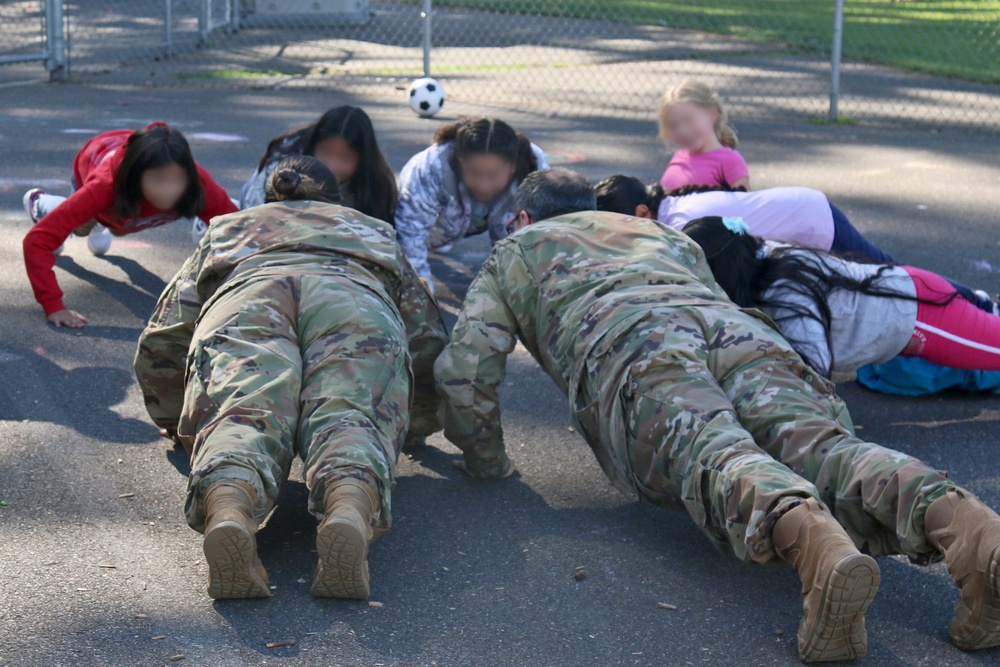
746, 276
624, 194
301, 178
620, 194
553, 192
156, 146
374, 183
685, 190
490, 136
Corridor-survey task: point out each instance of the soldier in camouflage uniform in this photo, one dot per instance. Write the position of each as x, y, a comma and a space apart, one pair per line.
688, 401
296, 328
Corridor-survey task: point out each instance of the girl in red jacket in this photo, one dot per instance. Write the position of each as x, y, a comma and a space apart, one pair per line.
128, 181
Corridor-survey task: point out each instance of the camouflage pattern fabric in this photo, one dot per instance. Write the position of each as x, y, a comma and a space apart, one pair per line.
685, 399
295, 328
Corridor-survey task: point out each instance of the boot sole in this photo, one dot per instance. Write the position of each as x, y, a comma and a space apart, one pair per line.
342, 571
985, 633
231, 554
839, 632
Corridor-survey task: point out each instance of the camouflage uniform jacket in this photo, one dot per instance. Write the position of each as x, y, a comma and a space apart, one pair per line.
278, 239
569, 288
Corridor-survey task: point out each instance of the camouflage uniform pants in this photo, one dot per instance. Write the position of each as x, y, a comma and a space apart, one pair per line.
311, 365
711, 409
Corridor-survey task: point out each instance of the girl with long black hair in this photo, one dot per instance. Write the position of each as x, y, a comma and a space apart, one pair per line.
840, 315
344, 140
125, 181
463, 184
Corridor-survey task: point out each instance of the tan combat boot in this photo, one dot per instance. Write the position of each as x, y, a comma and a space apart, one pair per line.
838, 583
342, 540
967, 532
234, 571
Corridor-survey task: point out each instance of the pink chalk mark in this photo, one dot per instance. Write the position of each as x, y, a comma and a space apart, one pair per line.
564, 157
130, 243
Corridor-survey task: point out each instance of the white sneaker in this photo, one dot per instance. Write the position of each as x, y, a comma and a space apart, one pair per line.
99, 240
983, 294
198, 229
444, 249
30, 202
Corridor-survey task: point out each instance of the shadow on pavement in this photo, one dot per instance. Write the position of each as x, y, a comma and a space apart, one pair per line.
79, 398
139, 297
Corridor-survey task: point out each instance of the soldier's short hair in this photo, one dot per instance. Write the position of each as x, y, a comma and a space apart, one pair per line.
553, 192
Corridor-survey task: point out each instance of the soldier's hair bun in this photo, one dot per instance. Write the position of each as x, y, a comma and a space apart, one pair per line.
286, 182
301, 178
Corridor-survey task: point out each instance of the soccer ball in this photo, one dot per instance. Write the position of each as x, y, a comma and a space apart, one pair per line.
426, 96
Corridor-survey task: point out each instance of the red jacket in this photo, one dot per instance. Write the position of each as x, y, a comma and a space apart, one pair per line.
94, 173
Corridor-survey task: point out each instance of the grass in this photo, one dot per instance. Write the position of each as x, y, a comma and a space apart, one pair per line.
839, 120
236, 74
371, 71
952, 38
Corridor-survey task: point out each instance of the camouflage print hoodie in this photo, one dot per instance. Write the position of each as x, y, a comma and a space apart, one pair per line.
279, 239
435, 209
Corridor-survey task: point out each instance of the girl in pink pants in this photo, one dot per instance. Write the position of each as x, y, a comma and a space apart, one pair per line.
951, 331
840, 315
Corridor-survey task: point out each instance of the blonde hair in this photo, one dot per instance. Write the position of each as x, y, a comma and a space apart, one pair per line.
697, 93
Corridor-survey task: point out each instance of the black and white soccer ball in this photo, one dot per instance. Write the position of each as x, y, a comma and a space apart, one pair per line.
426, 96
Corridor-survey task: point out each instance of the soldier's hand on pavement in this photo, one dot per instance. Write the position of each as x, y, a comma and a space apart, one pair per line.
461, 465
170, 434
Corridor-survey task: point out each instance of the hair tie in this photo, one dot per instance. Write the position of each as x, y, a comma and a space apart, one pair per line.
736, 225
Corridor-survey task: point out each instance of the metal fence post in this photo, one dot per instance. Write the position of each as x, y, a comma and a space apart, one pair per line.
204, 20
426, 16
55, 35
234, 15
837, 51
168, 26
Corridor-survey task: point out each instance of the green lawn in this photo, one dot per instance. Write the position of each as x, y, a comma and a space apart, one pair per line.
945, 37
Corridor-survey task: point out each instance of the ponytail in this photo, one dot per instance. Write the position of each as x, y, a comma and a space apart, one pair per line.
301, 178
685, 190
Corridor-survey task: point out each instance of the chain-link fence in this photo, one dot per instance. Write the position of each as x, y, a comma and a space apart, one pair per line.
32, 32
933, 62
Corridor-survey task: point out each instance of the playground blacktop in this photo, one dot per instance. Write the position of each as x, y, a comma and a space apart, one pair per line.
97, 566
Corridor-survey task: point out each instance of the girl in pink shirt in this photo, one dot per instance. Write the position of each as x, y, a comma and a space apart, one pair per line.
693, 119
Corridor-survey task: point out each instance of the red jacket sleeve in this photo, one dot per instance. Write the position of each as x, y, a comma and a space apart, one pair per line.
52, 231
217, 202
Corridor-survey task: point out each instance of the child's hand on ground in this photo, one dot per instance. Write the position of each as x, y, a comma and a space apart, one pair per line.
68, 318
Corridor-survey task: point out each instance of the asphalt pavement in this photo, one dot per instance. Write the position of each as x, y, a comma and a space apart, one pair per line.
98, 567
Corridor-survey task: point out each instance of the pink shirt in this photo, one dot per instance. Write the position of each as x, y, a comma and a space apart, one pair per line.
719, 167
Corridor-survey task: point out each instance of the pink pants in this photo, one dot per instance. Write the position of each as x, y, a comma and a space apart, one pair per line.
956, 334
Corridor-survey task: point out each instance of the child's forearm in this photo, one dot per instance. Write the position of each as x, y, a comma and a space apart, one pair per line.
39, 260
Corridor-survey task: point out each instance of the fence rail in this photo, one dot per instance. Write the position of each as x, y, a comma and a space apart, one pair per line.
913, 62
33, 31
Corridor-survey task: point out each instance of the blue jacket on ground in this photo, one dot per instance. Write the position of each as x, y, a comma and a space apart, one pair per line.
917, 377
